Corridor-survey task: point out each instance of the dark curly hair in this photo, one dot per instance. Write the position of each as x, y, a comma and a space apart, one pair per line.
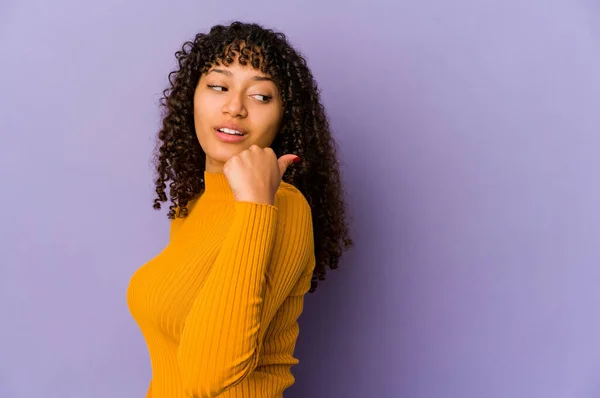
178, 157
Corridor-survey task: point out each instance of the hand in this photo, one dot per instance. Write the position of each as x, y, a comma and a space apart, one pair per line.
254, 174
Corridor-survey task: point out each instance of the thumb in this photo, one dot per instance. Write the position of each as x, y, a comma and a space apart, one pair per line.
286, 161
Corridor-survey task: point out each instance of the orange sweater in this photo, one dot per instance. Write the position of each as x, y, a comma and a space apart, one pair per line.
218, 306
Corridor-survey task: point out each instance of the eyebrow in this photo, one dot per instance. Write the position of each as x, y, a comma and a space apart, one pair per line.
228, 73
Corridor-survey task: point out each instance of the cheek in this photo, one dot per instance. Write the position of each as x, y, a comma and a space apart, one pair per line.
270, 124
203, 107
272, 118
278, 122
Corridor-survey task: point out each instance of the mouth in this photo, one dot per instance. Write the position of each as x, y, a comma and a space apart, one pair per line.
230, 131
231, 128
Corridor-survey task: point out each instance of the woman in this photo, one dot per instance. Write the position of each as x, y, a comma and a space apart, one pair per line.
218, 307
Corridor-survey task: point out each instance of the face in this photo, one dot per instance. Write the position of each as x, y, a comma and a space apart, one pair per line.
235, 107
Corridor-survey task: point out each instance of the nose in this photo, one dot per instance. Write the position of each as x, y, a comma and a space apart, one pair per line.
234, 106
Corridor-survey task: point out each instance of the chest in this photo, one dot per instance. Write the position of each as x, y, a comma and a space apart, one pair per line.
162, 291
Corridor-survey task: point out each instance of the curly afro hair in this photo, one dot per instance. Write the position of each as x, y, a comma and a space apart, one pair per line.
178, 157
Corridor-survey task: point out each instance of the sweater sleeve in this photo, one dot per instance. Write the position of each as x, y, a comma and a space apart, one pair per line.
262, 258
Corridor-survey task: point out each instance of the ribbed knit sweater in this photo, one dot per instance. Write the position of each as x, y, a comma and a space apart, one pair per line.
218, 306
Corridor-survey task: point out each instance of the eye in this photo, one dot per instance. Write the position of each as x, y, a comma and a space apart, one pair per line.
217, 88
262, 97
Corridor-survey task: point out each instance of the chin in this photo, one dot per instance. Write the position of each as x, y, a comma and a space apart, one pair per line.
222, 153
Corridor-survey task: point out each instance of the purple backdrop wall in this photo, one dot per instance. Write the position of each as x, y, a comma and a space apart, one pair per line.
469, 137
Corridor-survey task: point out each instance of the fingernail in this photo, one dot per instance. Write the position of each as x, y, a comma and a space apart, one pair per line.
296, 160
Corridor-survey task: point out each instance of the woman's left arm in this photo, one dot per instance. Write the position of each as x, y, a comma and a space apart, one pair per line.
267, 248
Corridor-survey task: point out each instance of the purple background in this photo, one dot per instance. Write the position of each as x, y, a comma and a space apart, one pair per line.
469, 134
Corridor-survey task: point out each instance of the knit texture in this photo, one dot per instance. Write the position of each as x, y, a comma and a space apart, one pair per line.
218, 306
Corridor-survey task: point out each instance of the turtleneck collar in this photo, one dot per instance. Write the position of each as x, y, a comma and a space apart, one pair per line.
216, 186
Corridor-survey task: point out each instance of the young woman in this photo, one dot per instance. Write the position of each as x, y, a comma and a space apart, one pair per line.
257, 213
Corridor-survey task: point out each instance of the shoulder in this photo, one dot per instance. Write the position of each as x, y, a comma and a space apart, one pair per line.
295, 214
289, 200
295, 224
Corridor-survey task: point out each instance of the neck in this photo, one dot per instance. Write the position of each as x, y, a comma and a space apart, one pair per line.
213, 166
216, 186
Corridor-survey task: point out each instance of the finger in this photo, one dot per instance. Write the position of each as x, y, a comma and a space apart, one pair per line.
286, 161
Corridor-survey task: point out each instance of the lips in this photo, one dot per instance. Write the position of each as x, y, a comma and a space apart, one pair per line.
230, 132
232, 128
